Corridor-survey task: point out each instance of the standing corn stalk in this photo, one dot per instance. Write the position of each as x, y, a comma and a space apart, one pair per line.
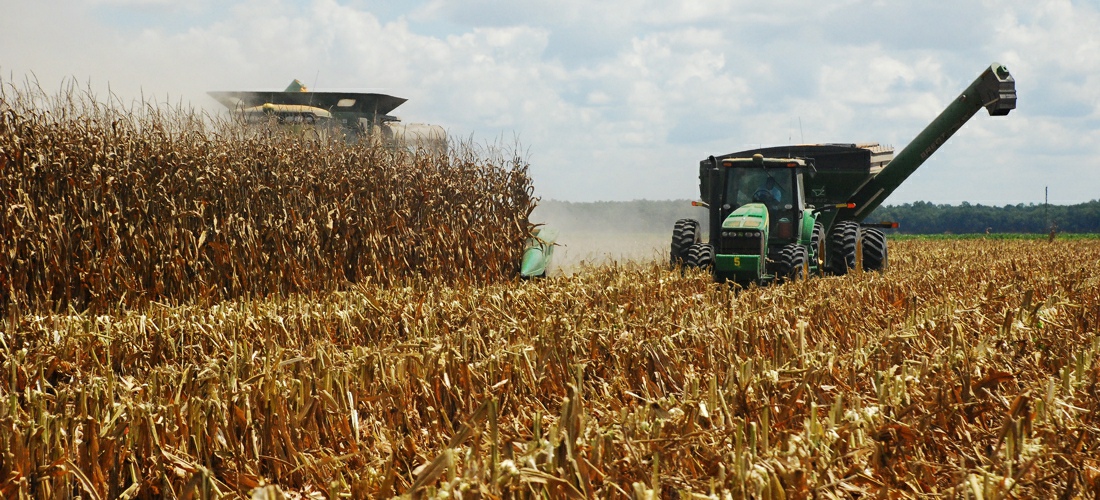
103, 206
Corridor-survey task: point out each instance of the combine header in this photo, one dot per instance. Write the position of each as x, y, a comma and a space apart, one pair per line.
791, 211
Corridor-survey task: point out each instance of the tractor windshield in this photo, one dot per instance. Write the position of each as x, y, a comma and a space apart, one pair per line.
773, 187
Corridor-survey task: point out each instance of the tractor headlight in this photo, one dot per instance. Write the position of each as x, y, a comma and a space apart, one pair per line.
742, 234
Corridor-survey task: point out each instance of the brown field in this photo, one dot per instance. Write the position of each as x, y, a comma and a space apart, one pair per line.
967, 369
193, 311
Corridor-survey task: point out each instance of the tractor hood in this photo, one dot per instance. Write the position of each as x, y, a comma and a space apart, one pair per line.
749, 216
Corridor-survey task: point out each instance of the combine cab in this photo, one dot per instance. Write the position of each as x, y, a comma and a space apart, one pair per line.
792, 211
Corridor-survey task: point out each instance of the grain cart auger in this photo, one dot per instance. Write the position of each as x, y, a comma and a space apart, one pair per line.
790, 211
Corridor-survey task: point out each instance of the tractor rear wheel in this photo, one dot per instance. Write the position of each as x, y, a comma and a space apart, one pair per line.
792, 262
684, 234
843, 245
874, 249
817, 248
700, 255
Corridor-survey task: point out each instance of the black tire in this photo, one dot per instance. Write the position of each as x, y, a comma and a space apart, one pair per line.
792, 262
843, 245
874, 249
700, 255
817, 246
684, 234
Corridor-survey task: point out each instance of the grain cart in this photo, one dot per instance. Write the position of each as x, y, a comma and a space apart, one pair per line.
790, 211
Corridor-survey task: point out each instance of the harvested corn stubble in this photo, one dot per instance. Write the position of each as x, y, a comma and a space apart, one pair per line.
967, 369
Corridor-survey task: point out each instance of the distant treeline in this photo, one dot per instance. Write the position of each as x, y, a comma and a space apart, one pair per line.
927, 218
914, 218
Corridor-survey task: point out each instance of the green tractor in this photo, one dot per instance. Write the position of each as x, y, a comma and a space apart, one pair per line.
767, 230
788, 212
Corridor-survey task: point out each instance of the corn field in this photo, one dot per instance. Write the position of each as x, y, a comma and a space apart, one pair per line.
104, 206
969, 370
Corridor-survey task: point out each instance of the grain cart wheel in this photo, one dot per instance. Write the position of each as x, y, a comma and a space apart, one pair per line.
684, 234
792, 262
874, 249
843, 245
700, 255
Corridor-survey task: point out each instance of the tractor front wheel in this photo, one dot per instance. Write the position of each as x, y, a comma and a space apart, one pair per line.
792, 262
700, 255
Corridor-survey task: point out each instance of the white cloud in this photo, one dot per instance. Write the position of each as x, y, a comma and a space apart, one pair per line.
621, 99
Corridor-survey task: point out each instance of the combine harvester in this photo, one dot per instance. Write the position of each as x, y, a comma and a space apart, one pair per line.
794, 211
354, 114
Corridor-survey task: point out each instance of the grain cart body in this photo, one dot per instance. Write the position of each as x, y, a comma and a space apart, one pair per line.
843, 184
839, 171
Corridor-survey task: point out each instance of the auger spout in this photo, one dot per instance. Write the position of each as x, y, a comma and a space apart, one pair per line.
995, 89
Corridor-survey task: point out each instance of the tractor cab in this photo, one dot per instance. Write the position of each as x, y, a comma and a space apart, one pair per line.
774, 183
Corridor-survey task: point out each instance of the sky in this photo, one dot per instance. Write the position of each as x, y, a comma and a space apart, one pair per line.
621, 99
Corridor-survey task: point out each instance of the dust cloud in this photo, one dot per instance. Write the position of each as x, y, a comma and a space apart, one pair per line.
601, 233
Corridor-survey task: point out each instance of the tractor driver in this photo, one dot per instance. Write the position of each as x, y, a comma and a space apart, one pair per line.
769, 193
